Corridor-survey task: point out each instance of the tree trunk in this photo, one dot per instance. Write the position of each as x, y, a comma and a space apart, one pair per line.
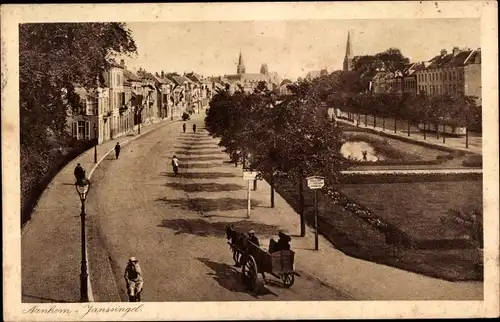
374, 121
437, 130
425, 131
359, 119
467, 137
444, 129
254, 185
408, 127
272, 188
395, 125
366, 120
383, 123
301, 209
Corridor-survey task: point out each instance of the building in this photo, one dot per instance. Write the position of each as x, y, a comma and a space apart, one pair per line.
410, 78
249, 81
348, 59
455, 73
283, 89
316, 73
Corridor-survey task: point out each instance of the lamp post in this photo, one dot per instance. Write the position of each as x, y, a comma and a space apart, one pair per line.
95, 144
82, 188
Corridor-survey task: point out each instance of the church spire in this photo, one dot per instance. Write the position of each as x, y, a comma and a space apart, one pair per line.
348, 54
241, 65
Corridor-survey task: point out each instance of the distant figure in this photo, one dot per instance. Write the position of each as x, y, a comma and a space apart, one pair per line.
175, 165
134, 280
364, 155
79, 174
117, 149
253, 238
184, 127
194, 128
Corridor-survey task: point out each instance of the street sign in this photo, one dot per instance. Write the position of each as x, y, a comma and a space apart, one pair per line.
250, 175
315, 182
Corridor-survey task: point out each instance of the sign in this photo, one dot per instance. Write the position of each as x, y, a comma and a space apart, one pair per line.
250, 175
315, 182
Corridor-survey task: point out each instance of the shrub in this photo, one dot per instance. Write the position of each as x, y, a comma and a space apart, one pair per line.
407, 178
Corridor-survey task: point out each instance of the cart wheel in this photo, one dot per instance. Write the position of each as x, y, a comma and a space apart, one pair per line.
249, 272
288, 279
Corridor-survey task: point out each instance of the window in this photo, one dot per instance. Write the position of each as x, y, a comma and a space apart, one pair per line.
118, 79
81, 130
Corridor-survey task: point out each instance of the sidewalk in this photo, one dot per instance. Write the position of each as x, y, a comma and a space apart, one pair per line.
361, 280
50, 241
475, 143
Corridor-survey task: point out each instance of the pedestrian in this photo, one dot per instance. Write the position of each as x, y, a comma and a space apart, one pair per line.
184, 127
194, 128
253, 238
117, 149
79, 174
133, 278
175, 164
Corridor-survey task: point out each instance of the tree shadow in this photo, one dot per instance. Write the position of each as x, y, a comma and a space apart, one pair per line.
205, 187
208, 205
203, 228
201, 158
231, 279
207, 152
199, 165
199, 175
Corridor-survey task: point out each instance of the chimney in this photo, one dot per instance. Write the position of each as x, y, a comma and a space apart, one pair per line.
443, 52
162, 74
456, 50
122, 62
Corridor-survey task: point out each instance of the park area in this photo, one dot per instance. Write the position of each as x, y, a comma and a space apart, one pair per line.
432, 218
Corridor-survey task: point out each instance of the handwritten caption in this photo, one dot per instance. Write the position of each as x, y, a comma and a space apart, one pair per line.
85, 310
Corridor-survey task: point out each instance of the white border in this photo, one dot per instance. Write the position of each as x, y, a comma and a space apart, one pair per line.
12, 15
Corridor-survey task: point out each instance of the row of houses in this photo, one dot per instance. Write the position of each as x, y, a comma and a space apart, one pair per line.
455, 73
129, 99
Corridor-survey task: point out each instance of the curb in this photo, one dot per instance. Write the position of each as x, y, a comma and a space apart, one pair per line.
160, 124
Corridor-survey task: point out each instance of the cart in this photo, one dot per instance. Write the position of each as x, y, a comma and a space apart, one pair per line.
255, 260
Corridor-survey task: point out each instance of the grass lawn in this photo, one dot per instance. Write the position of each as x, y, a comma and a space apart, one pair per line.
422, 210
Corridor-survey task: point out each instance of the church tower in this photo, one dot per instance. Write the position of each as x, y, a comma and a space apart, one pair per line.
241, 65
348, 54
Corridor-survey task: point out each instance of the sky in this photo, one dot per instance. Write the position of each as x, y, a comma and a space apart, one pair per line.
290, 48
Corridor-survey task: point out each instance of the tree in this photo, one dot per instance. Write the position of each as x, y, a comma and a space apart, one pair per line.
53, 59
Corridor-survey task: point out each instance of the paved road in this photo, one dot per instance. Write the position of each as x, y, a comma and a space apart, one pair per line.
140, 206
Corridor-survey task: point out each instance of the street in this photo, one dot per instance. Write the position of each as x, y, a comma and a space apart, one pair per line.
175, 225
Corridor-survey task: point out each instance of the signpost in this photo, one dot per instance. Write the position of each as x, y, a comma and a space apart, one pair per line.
315, 183
249, 176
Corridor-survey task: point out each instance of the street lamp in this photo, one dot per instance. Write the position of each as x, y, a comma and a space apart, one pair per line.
82, 187
96, 141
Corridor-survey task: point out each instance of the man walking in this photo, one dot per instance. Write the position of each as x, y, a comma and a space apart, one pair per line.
184, 127
134, 280
175, 164
117, 149
79, 174
194, 128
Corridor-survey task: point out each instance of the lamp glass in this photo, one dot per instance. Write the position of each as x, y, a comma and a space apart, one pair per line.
82, 189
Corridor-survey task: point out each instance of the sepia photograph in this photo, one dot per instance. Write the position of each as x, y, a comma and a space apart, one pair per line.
295, 156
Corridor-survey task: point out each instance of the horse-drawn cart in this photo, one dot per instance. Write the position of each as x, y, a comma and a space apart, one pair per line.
255, 260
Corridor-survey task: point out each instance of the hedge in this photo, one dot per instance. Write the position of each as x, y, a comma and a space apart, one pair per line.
406, 178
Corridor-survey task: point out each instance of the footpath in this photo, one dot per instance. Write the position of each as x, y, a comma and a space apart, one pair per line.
359, 279
475, 143
50, 241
